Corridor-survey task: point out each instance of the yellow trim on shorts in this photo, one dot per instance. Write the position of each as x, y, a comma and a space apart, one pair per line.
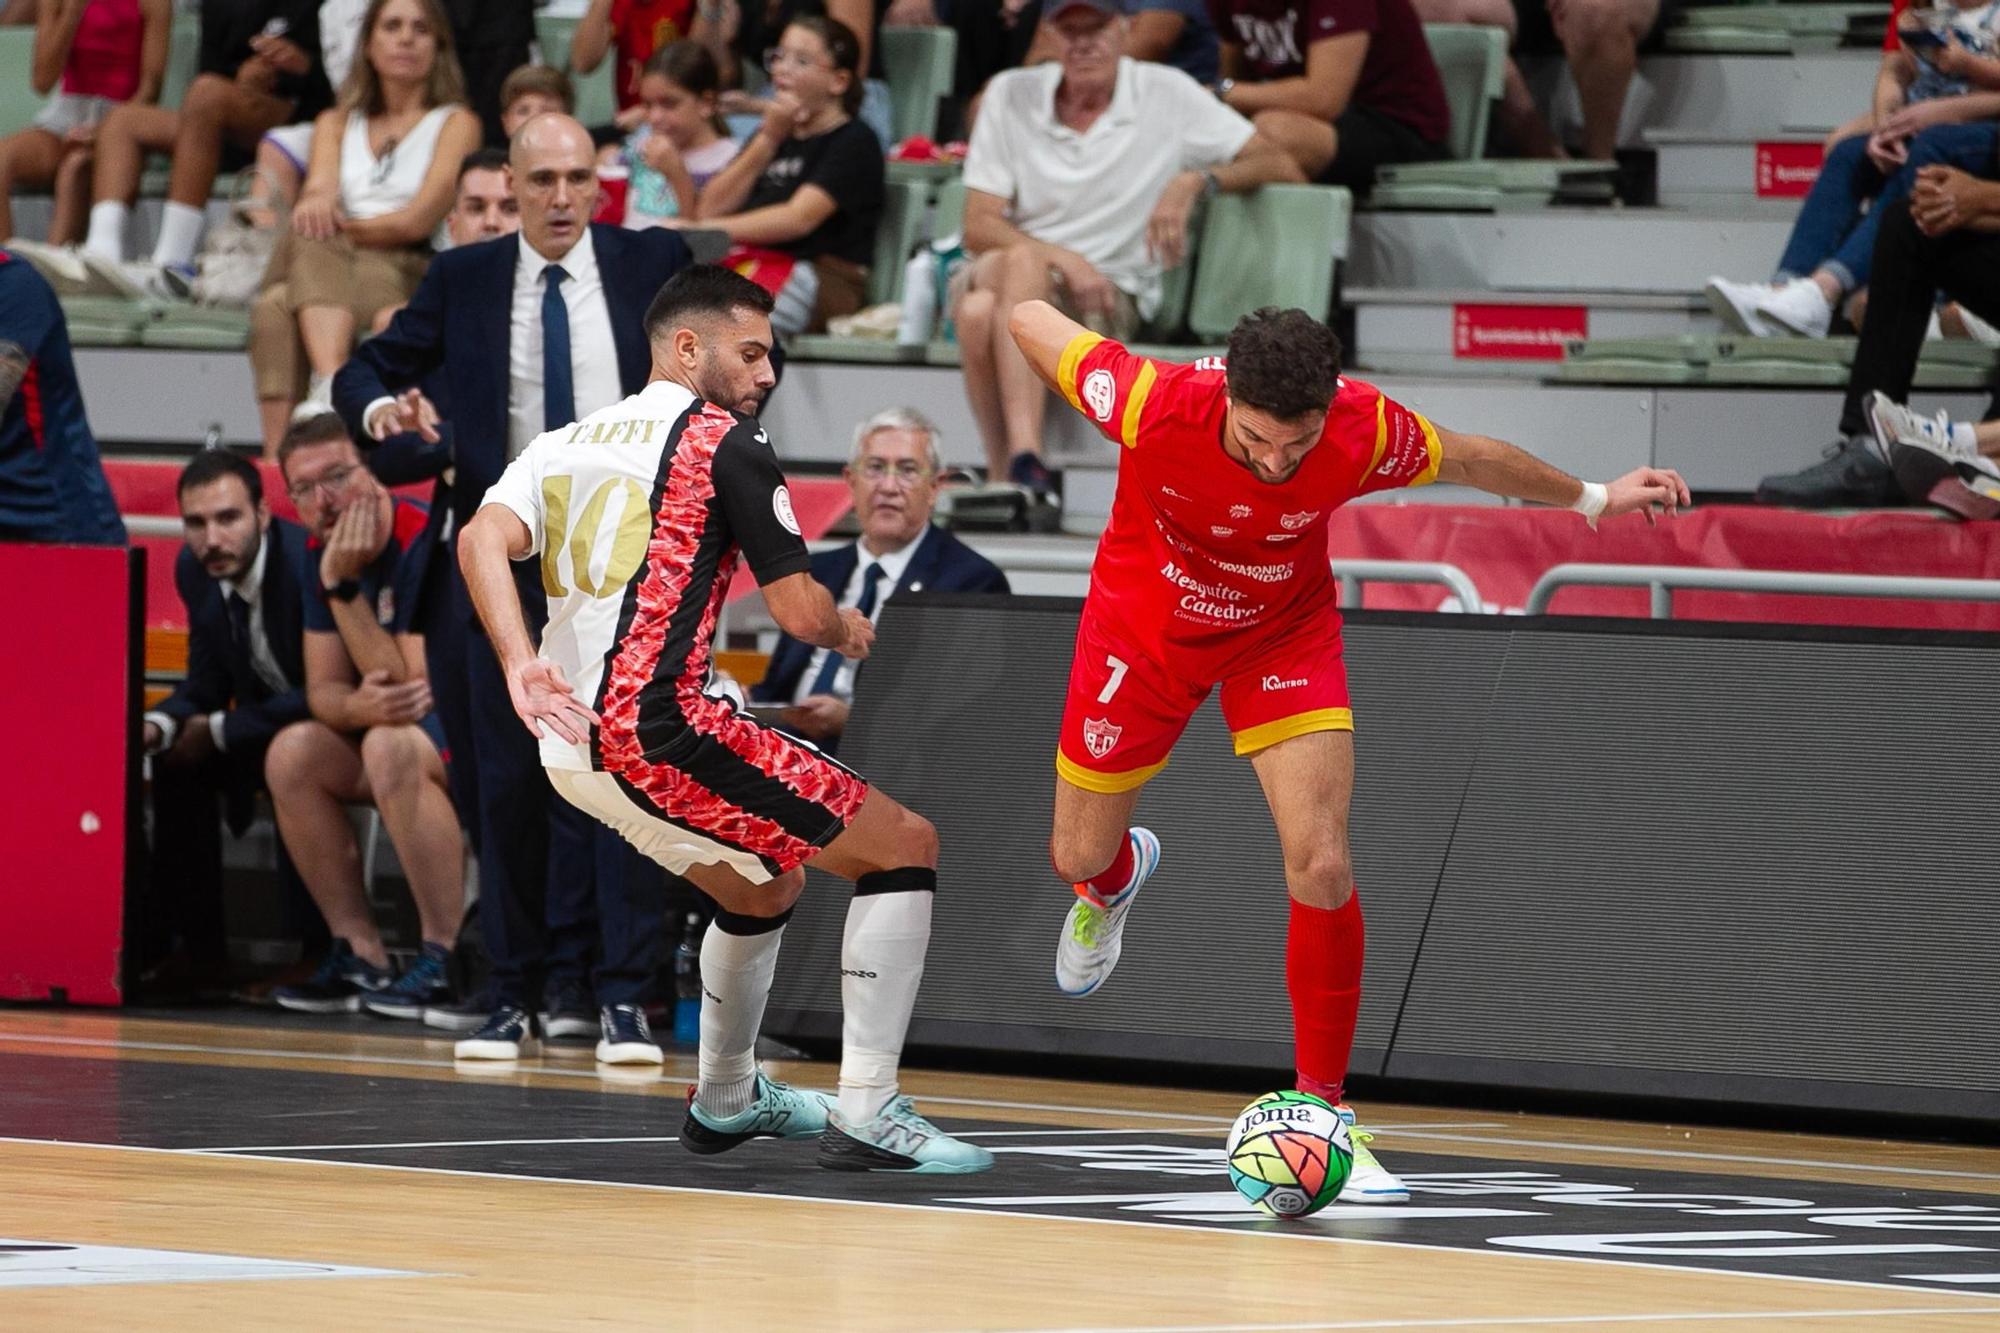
1266, 734
1135, 403
1072, 358
1436, 447
1109, 784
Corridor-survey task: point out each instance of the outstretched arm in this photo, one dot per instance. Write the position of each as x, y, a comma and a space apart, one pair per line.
1042, 332
541, 695
1499, 468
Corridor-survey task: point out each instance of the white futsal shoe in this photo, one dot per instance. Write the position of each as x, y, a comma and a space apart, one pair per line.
1090, 942
1369, 1181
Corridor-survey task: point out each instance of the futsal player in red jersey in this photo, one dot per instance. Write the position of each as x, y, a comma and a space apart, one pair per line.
1213, 572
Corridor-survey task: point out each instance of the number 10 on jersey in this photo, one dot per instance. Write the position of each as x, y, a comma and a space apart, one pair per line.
628, 539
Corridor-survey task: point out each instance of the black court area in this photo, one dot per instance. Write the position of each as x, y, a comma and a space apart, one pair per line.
1166, 1171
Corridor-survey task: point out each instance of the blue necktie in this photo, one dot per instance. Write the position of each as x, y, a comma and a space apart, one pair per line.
870, 581
558, 384
239, 619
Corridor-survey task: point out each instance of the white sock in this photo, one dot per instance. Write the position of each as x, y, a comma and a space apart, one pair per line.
1962, 437
736, 973
107, 230
881, 965
180, 233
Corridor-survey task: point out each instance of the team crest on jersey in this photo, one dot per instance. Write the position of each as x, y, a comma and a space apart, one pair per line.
1099, 736
1293, 522
1239, 511
781, 505
1210, 363
1101, 393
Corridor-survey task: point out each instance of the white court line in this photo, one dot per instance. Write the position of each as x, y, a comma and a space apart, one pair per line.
1849, 1168
119, 1043
1522, 1321
1287, 1234
640, 1138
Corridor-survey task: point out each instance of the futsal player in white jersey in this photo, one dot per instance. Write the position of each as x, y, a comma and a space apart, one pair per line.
638, 513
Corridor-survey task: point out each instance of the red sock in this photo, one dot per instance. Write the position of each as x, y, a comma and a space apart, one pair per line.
1323, 972
1113, 880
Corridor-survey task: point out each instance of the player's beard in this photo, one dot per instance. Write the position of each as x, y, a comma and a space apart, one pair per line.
714, 386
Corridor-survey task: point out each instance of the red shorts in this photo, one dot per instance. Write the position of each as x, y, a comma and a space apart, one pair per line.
1127, 707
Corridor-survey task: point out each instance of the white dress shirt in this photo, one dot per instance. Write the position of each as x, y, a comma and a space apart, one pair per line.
251, 589
593, 355
894, 564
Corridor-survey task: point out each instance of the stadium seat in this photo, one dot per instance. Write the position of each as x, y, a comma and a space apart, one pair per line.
106, 321
1278, 246
18, 100
198, 328
895, 238
1472, 61
183, 59
596, 99
919, 64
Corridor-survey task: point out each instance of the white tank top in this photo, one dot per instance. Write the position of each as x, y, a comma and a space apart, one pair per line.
372, 186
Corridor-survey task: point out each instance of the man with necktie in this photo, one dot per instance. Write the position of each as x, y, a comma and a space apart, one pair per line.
574, 296
245, 682
893, 474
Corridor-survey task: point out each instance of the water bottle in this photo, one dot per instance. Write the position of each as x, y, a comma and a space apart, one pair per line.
687, 982
920, 299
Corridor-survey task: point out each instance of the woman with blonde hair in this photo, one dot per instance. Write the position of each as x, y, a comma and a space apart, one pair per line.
379, 181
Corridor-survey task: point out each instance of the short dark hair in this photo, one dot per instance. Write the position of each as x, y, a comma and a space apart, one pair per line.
321, 428
1283, 362
703, 289
544, 79
215, 464
483, 159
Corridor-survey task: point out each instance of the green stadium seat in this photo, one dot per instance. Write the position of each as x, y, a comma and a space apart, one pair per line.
897, 236
1278, 246
948, 212
596, 97
18, 100
106, 321
920, 65
198, 328
183, 59
1472, 61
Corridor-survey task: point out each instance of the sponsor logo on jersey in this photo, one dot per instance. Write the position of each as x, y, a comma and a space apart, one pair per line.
1279, 683
781, 505
1293, 522
1408, 453
1282, 536
1171, 493
1261, 573
1220, 531
1099, 735
1101, 393
1239, 511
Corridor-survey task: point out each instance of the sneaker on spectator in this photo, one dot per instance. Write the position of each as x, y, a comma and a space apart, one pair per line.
1850, 472
1896, 424
1735, 304
1798, 306
627, 1040
423, 985
567, 1012
1030, 473
144, 280
467, 1015
337, 987
506, 1033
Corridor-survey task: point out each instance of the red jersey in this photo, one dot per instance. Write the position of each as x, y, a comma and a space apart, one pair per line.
638, 29
1200, 556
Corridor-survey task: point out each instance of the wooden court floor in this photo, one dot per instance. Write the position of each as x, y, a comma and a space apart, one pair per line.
169, 1174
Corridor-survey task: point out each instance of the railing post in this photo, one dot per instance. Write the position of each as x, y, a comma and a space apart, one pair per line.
1663, 601
1350, 593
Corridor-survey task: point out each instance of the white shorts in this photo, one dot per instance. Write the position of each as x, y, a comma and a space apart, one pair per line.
599, 796
294, 141
64, 112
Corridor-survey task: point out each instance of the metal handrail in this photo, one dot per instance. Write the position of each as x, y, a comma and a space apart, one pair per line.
1353, 573
1663, 580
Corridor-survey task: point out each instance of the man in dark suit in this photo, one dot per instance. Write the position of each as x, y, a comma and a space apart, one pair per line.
528, 332
893, 473
245, 682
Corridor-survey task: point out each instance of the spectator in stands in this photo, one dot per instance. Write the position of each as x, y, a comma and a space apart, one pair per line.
1933, 106
528, 333
681, 145
803, 198
1940, 239
283, 154
534, 90
260, 68
52, 486
893, 474
494, 38
238, 578
1521, 123
1600, 39
18, 13
1180, 33
1080, 182
371, 737
384, 170
636, 30
1343, 86
740, 31
90, 55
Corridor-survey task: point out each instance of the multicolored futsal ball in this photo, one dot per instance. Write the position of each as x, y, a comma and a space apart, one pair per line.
1289, 1154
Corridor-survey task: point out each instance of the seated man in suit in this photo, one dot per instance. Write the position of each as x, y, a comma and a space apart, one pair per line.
245, 681
893, 473
372, 736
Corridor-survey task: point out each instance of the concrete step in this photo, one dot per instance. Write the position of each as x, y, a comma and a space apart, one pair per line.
1768, 174
1667, 251
1731, 96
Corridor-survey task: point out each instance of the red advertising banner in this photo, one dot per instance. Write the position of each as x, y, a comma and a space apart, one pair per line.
1787, 170
67, 783
1516, 332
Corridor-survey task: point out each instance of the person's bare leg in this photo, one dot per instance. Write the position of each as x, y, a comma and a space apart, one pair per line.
274, 416
974, 319
29, 158
1522, 122
1311, 143
408, 780
1021, 274
72, 198
313, 773
214, 112
278, 182
127, 133
1089, 826
1601, 40
328, 334
1987, 433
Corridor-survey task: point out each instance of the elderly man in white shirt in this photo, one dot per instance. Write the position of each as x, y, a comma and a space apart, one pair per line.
1080, 181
